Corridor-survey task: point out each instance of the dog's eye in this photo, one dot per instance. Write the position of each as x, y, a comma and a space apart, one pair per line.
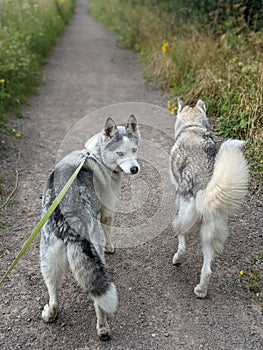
121, 154
134, 150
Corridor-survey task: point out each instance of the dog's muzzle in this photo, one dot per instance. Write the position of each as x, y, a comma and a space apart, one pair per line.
130, 166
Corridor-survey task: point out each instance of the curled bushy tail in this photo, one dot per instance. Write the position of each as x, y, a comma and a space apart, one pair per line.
227, 188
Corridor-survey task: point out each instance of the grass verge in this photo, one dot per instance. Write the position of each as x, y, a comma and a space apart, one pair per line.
28, 30
224, 66
252, 279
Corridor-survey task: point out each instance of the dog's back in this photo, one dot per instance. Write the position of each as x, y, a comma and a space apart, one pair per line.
193, 154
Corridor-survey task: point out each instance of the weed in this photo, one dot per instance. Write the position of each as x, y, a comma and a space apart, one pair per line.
252, 279
2, 224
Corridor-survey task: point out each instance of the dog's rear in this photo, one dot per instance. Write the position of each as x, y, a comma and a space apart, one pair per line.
208, 208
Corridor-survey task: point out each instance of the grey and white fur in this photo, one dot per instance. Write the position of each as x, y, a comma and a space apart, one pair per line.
72, 238
210, 186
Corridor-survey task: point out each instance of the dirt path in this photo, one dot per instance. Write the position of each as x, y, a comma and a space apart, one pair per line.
158, 309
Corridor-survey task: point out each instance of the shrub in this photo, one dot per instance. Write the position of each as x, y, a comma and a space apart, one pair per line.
28, 30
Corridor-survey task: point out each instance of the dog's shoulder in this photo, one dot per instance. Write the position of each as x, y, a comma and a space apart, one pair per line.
71, 160
61, 173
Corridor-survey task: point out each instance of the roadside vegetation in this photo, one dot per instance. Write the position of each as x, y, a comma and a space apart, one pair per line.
208, 49
197, 49
28, 30
252, 279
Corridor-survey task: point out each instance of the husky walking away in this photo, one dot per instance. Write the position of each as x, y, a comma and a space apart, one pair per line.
71, 237
210, 186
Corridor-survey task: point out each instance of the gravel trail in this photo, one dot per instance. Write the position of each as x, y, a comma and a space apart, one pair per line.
157, 309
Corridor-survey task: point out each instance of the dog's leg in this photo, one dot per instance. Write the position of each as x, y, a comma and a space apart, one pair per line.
213, 238
53, 265
106, 222
103, 328
207, 235
201, 289
178, 257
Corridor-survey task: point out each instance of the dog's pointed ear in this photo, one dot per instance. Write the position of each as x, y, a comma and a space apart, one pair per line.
181, 105
200, 103
110, 128
132, 124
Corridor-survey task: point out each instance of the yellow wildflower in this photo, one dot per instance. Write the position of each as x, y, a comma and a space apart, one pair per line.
165, 46
247, 108
174, 109
13, 130
2, 81
18, 135
171, 107
241, 272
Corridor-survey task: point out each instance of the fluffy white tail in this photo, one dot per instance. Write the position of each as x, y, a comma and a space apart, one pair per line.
227, 188
108, 301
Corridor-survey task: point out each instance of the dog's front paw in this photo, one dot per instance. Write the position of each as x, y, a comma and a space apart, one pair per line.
177, 259
200, 292
104, 334
49, 313
109, 249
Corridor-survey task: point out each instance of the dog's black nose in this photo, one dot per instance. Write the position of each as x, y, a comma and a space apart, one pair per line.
134, 170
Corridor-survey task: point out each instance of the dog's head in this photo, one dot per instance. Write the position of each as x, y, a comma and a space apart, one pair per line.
192, 115
119, 146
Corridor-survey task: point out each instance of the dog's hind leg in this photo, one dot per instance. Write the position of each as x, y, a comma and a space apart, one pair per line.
106, 222
103, 328
91, 274
213, 235
53, 265
184, 221
178, 257
208, 255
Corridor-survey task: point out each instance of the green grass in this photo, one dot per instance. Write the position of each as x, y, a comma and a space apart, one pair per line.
252, 279
28, 30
